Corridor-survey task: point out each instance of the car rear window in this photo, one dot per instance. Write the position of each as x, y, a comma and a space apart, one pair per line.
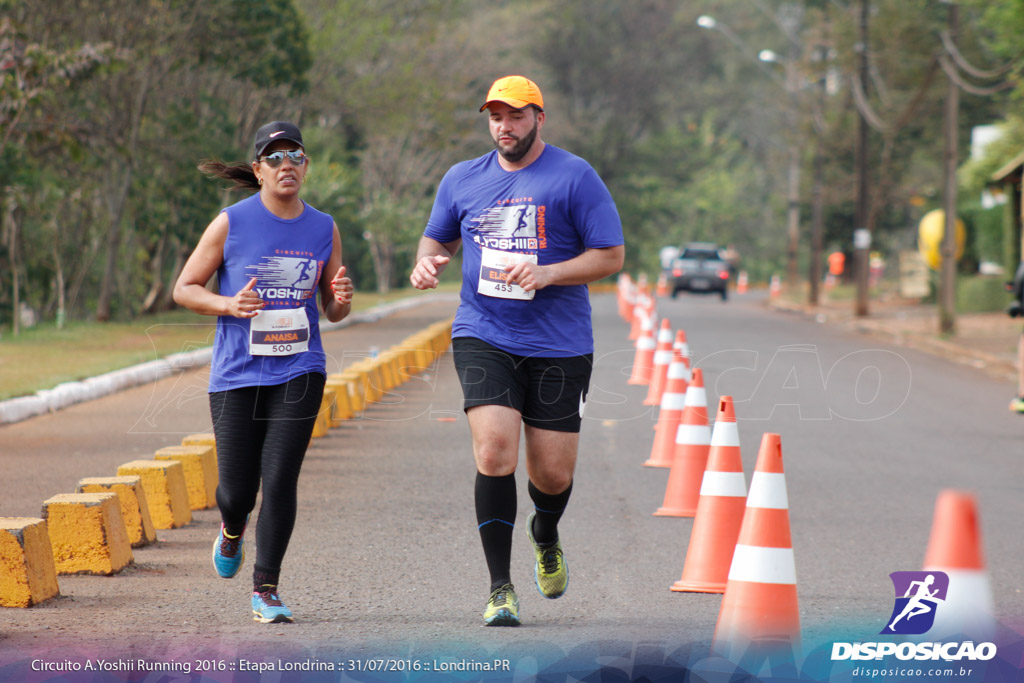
700, 254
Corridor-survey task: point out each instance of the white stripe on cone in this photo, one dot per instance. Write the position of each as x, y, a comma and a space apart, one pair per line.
968, 608
673, 401
694, 435
696, 396
725, 484
768, 490
725, 434
758, 564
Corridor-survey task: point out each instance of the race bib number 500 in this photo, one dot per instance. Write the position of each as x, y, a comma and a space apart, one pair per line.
494, 279
279, 332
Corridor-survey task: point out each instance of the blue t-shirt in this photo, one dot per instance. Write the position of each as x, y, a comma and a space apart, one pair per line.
287, 256
555, 209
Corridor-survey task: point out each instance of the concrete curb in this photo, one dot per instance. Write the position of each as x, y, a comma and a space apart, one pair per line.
70, 393
992, 365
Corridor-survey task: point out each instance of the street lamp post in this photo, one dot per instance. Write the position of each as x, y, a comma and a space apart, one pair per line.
791, 84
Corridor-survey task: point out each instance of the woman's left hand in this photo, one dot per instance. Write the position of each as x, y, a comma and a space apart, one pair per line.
342, 287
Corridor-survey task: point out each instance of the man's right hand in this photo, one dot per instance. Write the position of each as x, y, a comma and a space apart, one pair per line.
428, 269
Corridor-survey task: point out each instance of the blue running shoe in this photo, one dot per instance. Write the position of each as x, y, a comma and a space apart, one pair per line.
268, 608
228, 553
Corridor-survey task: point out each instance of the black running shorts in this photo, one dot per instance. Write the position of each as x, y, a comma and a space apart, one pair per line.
548, 392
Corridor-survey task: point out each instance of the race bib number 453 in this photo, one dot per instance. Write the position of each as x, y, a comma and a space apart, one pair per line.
279, 332
494, 279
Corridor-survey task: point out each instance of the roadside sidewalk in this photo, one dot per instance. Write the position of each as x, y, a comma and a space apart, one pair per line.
986, 341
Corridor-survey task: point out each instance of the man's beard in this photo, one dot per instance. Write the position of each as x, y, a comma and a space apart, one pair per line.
521, 147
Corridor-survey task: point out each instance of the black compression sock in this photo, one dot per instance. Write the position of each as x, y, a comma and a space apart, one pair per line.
496, 517
262, 578
549, 510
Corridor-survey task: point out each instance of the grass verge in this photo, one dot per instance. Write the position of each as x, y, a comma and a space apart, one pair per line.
43, 357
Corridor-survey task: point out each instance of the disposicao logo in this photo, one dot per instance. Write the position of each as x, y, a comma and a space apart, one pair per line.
918, 596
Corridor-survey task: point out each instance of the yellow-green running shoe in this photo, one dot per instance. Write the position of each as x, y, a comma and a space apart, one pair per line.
551, 571
502, 607
1017, 405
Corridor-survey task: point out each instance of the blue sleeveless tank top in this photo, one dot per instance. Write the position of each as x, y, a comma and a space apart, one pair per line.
287, 256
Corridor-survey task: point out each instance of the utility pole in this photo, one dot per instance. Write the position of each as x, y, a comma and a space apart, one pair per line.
861, 231
947, 272
793, 173
817, 193
822, 51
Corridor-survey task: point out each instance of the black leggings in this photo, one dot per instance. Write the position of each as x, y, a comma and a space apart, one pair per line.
263, 432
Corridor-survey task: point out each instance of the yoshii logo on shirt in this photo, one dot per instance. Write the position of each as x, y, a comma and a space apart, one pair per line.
282, 277
509, 222
513, 227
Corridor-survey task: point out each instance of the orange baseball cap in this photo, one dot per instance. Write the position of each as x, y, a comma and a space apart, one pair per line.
515, 91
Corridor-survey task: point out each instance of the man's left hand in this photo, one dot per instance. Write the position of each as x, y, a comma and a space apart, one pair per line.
529, 276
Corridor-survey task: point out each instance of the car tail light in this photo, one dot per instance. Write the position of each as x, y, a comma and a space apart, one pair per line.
724, 274
676, 272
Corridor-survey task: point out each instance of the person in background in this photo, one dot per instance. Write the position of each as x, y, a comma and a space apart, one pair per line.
537, 224
273, 254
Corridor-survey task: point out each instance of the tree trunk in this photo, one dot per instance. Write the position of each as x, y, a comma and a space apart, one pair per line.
10, 206
180, 254
59, 266
383, 252
156, 286
115, 206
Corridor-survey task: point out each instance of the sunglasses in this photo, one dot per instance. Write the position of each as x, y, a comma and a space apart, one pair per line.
274, 159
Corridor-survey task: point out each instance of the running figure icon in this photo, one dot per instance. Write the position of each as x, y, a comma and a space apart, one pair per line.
915, 606
304, 268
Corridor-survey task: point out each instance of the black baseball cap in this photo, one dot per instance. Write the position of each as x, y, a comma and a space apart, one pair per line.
274, 131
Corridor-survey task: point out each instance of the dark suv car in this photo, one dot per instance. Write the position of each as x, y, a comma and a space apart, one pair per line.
700, 268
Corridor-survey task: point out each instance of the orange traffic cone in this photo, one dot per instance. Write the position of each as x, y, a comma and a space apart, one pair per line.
760, 603
741, 282
662, 287
643, 360
642, 309
673, 401
693, 442
636, 317
955, 548
662, 359
626, 297
681, 344
774, 286
723, 493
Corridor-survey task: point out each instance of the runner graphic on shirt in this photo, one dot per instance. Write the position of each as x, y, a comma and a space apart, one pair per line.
284, 277
508, 222
304, 267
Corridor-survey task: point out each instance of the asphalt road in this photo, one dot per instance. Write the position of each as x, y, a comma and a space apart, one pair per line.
385, 561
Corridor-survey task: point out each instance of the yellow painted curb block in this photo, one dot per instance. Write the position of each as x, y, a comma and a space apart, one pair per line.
408, 363
361, 372
202, 440
28, 575
87, 533
376, 387
132, 498
342, 399
323, 418
166, 492
387, 363
357, 390
200, 468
